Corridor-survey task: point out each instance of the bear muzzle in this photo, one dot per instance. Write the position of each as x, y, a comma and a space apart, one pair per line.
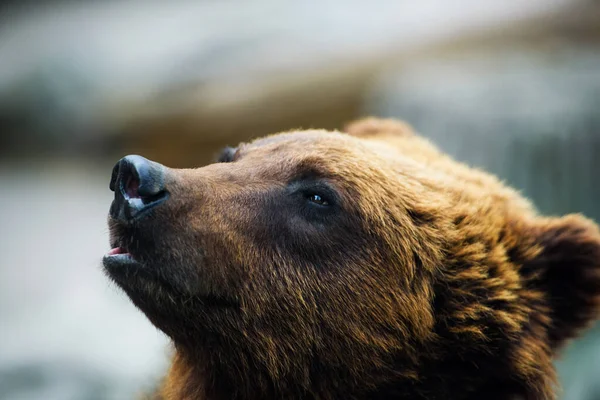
139, 186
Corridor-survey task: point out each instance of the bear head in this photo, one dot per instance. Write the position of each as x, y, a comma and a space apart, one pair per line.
355, 264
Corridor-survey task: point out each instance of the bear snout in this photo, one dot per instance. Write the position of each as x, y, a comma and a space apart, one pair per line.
139, 185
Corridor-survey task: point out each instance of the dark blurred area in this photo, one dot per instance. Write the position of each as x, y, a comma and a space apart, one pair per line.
512, 87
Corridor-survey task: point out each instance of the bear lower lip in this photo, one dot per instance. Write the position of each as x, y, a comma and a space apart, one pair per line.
118, 256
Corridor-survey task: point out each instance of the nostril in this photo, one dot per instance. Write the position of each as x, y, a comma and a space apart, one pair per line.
132, 186
141, 177
138, 184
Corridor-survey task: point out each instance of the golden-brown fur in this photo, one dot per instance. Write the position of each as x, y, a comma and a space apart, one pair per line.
427, 279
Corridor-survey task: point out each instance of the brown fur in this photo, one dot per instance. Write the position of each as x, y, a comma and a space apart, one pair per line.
427, 279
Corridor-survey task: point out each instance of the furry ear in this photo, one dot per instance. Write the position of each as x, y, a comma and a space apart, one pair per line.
371, 126
567, 269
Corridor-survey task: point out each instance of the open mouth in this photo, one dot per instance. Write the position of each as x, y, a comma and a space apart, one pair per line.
118, 256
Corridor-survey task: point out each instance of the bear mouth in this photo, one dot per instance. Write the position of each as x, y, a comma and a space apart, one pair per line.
126, 268
119, 256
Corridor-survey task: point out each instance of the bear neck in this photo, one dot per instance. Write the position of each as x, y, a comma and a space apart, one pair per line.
215, 375
207, 376
212, 375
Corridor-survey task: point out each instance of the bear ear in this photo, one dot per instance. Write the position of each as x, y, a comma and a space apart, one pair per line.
368, 127
567, 269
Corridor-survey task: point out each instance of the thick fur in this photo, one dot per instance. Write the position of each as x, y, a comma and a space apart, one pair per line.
424, 279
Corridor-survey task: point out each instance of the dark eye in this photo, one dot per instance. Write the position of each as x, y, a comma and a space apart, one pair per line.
315, 198
227, 155
318, 199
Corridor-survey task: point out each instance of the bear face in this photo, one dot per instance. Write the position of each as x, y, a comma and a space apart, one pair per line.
364, 264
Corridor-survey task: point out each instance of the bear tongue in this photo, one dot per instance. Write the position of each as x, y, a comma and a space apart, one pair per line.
116, 250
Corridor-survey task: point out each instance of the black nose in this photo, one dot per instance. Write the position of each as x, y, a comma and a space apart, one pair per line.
139, 185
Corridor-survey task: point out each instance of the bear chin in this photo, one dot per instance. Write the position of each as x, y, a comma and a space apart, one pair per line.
167, 306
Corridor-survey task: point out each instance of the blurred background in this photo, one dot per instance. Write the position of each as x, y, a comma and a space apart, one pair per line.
510, 86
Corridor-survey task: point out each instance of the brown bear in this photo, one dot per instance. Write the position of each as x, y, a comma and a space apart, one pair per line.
349, 265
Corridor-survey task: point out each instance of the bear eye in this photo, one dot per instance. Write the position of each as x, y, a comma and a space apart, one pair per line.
315, 198
318, 199
227, 155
